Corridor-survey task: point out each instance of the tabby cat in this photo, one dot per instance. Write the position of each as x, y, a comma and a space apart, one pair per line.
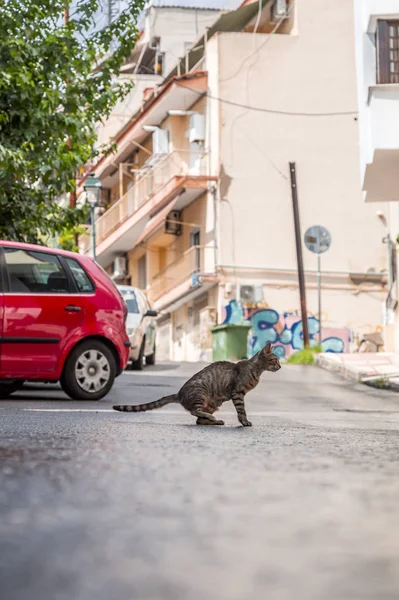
206, 391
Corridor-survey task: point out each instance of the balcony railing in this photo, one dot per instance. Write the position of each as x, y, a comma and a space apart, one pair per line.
198, 259
148, 180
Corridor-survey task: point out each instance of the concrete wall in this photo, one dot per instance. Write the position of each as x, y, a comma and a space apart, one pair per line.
178, 28
126, 108
288, 74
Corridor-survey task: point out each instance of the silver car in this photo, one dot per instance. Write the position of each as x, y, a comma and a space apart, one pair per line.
140, 326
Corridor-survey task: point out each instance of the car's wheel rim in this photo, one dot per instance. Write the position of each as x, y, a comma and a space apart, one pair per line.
92, 371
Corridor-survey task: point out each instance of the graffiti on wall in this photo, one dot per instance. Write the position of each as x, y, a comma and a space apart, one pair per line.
284, 330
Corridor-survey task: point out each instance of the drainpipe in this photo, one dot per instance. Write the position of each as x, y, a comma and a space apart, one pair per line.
215, 245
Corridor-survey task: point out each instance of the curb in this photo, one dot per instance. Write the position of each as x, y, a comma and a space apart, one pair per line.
336, 366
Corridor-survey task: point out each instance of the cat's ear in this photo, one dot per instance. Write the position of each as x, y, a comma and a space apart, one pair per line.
268, 348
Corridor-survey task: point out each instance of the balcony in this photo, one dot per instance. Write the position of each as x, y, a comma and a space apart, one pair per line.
173, 180
192, 272
382, 173
384, 116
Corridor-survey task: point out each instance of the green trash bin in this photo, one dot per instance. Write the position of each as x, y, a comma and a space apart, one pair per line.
229, 341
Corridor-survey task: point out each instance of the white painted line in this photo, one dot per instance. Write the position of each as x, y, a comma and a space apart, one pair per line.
153, 412
110, 410
106, 410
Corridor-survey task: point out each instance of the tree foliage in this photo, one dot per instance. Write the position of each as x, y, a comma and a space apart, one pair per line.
57, 81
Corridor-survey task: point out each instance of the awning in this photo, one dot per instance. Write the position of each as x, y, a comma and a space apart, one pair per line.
381, 181
156, 222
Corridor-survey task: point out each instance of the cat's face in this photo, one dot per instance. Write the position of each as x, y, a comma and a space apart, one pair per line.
269, 360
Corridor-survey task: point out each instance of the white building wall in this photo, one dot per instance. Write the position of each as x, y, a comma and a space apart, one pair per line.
126, 108
286, 74
178, 28
376, 108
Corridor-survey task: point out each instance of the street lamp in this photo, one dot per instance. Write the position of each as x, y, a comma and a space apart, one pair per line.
92, 188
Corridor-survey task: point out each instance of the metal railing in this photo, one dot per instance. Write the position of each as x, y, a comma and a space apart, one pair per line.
150, 179
197, 259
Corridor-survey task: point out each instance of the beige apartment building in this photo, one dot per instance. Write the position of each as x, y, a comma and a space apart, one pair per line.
201, 214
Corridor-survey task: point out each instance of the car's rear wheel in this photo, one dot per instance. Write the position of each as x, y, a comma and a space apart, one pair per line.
138, 364
150, 359
9, 387
89, 371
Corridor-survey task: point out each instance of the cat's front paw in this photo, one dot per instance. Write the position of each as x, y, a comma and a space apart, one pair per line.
246, 423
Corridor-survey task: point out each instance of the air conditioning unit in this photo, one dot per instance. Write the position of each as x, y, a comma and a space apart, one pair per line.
196, 131
279, 10
119, 267
173, 222
252, 294
160, 141
196, 279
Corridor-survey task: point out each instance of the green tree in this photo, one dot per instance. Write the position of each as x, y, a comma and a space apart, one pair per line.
57, 81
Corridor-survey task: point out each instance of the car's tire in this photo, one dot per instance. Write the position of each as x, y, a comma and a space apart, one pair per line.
138, 364
89, 371
150, 359
9, 387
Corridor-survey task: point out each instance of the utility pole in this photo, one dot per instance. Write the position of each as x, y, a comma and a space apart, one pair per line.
298, 242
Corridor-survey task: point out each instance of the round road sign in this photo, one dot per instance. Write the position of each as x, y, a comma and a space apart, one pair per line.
317, 239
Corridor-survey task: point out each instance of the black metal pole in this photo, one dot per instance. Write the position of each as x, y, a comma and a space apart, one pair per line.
298, 242
93, 231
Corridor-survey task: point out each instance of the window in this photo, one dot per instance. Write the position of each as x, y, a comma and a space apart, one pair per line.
387, 51
142, 302
83, 283
195, 241
142, 266
35, 272
130, 298
195, 238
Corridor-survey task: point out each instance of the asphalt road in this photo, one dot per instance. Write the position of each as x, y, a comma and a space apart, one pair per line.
100, 505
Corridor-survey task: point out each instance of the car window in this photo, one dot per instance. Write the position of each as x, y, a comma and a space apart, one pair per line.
35, 272
141, 302
131, 300
83, 283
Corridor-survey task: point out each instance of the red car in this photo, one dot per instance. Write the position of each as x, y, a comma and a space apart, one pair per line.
61, 319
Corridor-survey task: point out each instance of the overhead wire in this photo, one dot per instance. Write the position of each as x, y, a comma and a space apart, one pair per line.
272, 110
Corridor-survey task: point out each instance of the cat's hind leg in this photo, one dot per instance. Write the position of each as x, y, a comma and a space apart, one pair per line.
197, 403
202, 421
205, 417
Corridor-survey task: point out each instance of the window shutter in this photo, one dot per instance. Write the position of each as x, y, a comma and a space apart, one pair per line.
383, 74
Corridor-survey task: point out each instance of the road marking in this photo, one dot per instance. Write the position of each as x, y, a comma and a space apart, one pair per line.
156, 411
69, 410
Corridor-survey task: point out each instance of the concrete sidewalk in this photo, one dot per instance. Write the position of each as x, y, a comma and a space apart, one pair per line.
365, 367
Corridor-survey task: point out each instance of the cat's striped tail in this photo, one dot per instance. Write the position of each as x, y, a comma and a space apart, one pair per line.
149, 406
